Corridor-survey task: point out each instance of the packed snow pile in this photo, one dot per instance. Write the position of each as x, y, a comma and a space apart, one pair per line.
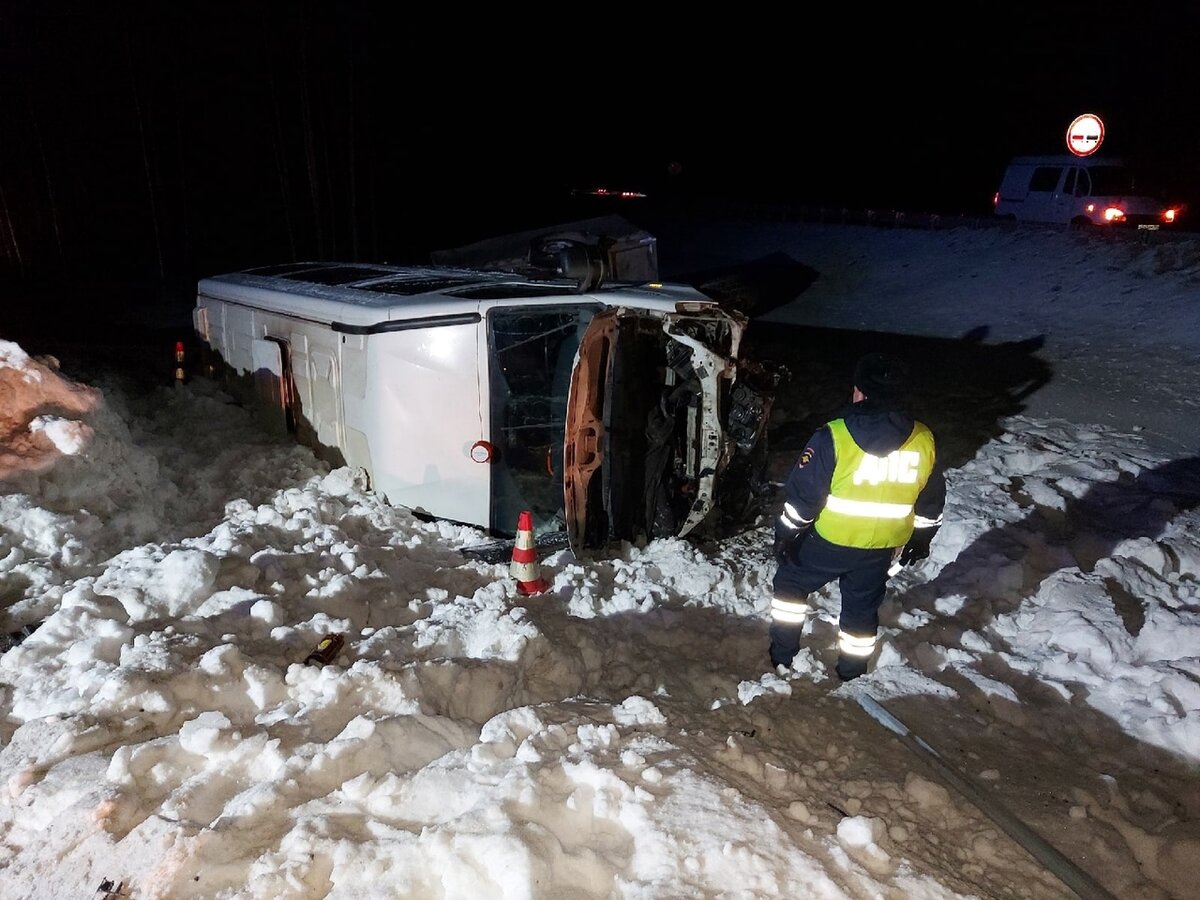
623, 734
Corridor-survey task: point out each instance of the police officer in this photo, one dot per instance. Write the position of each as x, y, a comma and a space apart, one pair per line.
864, 493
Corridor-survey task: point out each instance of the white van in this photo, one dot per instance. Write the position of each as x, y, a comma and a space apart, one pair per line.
614, 413
1081, 191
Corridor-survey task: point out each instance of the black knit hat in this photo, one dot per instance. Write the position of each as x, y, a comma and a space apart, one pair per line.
881, 377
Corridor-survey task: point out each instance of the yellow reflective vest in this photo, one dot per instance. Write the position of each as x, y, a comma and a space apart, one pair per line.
871, 498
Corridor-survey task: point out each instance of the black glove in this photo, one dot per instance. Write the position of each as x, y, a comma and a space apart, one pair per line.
917, 547
787, 542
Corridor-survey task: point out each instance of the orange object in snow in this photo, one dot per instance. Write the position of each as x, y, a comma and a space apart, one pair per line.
524, 566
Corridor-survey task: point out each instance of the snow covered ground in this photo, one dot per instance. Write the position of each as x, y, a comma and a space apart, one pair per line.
622, 735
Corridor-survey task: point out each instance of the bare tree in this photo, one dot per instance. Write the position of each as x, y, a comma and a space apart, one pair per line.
310, 146
12, 234
41, 151
281, 166
350, 151
184, 200
137, 104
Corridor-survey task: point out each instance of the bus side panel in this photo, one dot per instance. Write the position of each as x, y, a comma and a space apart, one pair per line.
424, 414
314, 395
240, 332
271, 383
301, 384
324, 415
355, 413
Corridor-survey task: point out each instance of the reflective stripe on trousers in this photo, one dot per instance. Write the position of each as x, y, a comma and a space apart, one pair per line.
855, 644
789, 612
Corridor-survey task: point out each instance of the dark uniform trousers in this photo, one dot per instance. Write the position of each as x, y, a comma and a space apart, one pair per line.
862, 578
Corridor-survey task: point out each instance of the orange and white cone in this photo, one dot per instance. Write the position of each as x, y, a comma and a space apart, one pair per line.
524, 566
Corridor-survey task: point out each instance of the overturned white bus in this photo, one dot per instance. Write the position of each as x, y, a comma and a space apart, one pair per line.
613, 412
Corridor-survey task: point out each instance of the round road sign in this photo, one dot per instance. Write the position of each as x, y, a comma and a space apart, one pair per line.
1085, 134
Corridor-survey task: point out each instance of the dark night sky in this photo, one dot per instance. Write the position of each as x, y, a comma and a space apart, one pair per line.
145, 145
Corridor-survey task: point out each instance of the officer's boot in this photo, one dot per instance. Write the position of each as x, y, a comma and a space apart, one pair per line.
850, 667
854, 651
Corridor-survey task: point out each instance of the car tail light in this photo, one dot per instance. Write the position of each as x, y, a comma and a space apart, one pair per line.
180, 372
995, 198
1114, 214
1169, 215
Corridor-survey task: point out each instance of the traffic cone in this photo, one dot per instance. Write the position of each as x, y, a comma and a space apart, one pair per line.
524, 565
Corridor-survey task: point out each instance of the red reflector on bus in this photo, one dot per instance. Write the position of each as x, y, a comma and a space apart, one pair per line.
481, 452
